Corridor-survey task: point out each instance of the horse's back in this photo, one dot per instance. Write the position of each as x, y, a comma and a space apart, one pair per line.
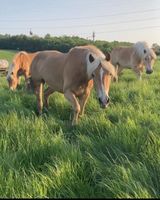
121, 55
48, 66
44, 59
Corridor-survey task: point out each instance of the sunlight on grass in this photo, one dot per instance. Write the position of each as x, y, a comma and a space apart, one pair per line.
111, 153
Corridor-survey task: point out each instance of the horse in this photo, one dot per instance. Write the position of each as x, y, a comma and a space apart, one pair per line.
135, 57
72, 74
20, 66
4, 64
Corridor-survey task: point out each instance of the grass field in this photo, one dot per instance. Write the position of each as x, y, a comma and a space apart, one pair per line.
7, 54
111, 153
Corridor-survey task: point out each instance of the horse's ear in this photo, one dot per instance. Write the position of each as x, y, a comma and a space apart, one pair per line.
145, 51
91, 58
108, 57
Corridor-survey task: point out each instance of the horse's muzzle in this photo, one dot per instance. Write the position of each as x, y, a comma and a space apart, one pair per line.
8, 78
9, 81
149, 71
12, 86
104, 104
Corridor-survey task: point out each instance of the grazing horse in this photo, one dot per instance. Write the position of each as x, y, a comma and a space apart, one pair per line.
71, 74
134, 57
20, 66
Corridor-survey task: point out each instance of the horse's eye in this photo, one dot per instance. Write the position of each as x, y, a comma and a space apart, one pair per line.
93, 75
11, 73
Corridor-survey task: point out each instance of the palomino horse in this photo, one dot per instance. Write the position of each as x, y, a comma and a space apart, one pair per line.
71, 74
134, 57
20, 66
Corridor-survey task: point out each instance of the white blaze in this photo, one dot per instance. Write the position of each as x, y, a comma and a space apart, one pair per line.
102, 92
10, 70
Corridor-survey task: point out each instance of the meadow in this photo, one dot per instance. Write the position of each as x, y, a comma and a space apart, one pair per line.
111, 153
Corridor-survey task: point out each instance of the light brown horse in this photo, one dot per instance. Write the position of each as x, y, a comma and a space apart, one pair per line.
20, 66
134, 57
71, 74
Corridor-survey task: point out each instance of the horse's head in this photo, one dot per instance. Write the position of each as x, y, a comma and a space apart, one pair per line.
12, 76
102, 79
15, 70
102, 76
149, 59
146, 55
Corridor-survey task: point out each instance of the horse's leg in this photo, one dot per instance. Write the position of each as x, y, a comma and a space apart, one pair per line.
83, 100
141, 71
27, 81
115, 79
38, 92
120, 68
138, 73
47, 93
18, 80
75, 105
118, 72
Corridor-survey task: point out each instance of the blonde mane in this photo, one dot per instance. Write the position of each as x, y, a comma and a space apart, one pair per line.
17, 56
93, 49
15, 61
142, 49
99, 55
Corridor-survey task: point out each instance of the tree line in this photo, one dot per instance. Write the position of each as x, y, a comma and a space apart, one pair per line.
63, 43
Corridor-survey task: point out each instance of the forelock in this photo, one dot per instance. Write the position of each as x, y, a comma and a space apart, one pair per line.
141, 49
97, 52
93, 50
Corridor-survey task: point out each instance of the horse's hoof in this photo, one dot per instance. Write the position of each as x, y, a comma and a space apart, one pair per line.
74, 123
81, 115
46, 111
38, 113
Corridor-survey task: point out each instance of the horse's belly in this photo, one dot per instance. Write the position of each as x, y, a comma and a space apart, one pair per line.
125, 65
56, 86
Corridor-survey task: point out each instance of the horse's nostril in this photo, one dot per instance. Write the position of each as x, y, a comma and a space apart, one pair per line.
8, 78
108, 100
149, 71
99, 99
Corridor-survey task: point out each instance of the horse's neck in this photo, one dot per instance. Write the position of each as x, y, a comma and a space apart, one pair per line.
32, 55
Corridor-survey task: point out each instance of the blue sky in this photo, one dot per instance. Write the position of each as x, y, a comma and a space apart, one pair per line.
122, 20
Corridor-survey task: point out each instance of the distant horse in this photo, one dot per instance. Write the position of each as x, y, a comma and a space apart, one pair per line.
3, 63
3, 66
134, 57
20, 66
71, 74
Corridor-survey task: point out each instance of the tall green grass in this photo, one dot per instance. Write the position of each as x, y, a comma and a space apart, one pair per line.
110, 153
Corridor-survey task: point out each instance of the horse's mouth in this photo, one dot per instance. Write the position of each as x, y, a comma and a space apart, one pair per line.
149, 71
103, 105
